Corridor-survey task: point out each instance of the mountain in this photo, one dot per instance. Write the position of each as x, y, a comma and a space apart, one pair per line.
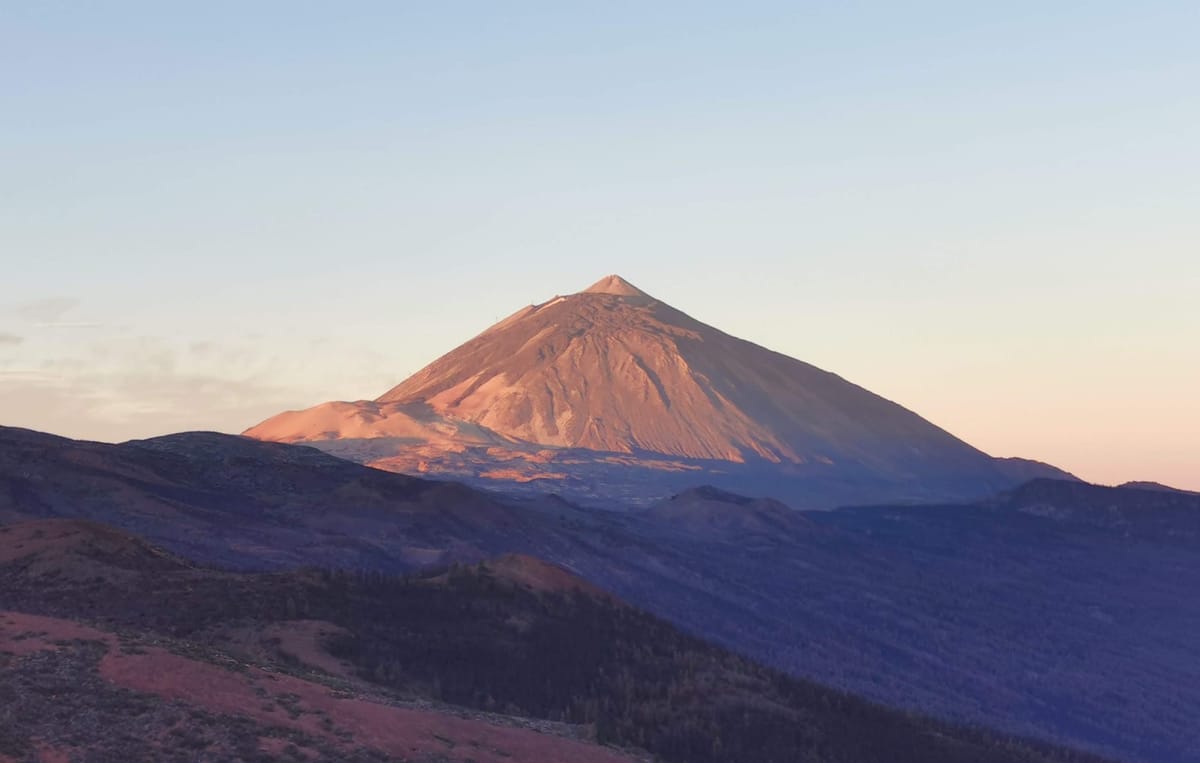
509, 660
610, 386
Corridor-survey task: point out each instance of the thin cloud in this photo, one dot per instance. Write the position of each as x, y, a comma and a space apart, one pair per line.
68, 325
10, 339
114, 407
48, 310
28, 375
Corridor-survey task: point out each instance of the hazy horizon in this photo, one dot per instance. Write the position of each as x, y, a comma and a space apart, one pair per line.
986, 215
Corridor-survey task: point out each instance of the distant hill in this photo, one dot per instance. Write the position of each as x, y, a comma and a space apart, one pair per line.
1143, 510
611, 393
1136, 485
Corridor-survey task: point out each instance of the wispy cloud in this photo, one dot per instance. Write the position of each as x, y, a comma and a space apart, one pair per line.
28, 375
68, 325
116, 407
10, 339
47, 310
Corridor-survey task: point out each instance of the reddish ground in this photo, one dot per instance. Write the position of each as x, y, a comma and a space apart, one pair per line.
48, 754
22, 634
284, 701
45, 754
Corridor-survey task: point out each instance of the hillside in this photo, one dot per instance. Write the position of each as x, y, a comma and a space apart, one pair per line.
74, 692
479, 637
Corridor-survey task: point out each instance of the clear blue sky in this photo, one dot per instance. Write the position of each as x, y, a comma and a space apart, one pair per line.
987, 212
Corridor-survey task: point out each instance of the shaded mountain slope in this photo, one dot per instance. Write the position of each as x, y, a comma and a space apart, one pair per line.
471, 638
612, 371
1063, 627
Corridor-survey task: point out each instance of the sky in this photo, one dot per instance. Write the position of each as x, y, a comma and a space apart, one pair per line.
989, 213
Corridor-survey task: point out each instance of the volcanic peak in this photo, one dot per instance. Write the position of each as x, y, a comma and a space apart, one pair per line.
616, 285
612, 370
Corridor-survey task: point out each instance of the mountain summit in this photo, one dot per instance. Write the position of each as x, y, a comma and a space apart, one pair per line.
617, 285
612, 371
